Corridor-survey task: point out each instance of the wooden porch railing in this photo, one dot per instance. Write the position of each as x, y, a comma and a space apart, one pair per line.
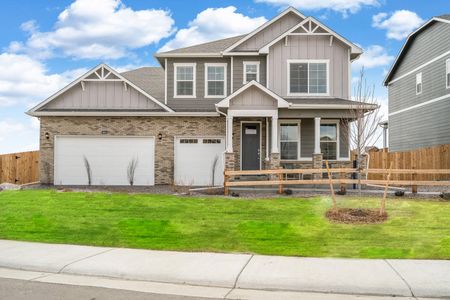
341, 180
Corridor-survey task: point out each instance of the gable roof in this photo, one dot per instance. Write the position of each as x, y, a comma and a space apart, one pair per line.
290, 9
443, 18
89, 76
356, 50
226, 101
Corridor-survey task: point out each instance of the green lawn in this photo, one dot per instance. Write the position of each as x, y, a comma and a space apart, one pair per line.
282, 226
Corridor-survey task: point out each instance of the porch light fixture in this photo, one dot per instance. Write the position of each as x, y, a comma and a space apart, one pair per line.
160, 136
47, 136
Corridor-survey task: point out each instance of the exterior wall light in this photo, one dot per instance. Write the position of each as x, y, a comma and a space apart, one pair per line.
47, 136
160, 136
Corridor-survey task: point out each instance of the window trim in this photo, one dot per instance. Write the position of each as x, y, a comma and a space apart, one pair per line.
194, 80
245, 63
419, 75
338, 139
299, 140
308, 61
225, 66
447, 72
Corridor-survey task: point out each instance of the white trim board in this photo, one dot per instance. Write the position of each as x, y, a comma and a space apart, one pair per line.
420, 104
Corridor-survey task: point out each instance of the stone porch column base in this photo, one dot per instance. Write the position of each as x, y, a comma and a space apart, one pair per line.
230, 161
274, 161
317, 160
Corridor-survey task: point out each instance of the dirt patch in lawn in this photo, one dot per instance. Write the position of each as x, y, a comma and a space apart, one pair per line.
356, 216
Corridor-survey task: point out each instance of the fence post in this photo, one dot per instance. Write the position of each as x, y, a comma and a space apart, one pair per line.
225, 184
280, 185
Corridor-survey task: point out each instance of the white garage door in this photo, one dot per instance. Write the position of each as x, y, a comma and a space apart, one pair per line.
109, 158
194, 160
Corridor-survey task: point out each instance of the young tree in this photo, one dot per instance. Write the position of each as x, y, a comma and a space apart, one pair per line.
363, 127
131, 169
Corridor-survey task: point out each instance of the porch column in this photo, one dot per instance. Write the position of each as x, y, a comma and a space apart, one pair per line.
317, 157
317, 135
274, 134
230, 134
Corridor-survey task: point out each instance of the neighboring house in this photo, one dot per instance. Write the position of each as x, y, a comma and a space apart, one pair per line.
419, 88
276, 97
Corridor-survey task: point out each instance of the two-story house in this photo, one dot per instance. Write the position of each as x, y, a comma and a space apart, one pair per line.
419, 89
276, 97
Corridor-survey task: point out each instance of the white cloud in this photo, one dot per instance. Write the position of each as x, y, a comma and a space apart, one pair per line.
26, 81
374, 56
213, 24
342, 6
97, 29
12, 129
398, 24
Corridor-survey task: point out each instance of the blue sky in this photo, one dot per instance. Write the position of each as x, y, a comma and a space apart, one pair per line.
46, 44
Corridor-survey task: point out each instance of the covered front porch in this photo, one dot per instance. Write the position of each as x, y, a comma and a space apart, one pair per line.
263, 132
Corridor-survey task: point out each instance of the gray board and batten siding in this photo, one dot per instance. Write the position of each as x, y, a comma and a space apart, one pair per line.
427, 125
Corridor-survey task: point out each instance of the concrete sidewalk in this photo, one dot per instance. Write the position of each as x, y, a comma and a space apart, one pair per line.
230, 272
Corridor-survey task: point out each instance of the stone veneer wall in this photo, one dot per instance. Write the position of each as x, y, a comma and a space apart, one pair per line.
169, 127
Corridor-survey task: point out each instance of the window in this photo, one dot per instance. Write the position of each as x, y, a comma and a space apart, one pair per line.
418, 83
329, 140
447, 73
212, 141
215, 83
184, 80
188, 141
289, 140
308, 77
251, 71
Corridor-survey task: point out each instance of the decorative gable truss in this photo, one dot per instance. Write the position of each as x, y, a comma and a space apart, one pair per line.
311, 26
100, 89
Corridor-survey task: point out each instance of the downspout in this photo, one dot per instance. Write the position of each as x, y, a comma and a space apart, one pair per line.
226, 134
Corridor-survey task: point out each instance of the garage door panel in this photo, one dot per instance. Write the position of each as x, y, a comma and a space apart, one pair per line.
108, 157
194, 161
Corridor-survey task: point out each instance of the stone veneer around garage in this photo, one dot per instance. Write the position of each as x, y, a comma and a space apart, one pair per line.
169, 127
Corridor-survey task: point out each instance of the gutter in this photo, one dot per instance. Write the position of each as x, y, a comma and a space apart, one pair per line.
119, 114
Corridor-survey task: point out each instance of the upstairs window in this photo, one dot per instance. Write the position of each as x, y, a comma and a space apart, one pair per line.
251, 71
447, 73
184, 86
289, 140
215, 83
418, 83
307, 77
329, 140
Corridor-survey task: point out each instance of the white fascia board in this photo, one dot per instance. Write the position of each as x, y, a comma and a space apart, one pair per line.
205, 54
73, 83
265, 25
332, 106
225, 103
120, 114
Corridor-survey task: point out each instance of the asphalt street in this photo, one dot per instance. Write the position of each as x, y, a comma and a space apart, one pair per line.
11, 289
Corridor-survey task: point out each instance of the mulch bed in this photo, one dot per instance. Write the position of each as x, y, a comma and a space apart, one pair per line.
356, 216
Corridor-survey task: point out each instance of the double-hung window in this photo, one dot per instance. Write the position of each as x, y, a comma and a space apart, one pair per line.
251, 71
307, 77
447, 73
215, 80
329, 140
418, 83
184, 86
289, 140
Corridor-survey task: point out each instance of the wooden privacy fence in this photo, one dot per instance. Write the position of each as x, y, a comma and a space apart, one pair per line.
424, 158
280, 179
19, 168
